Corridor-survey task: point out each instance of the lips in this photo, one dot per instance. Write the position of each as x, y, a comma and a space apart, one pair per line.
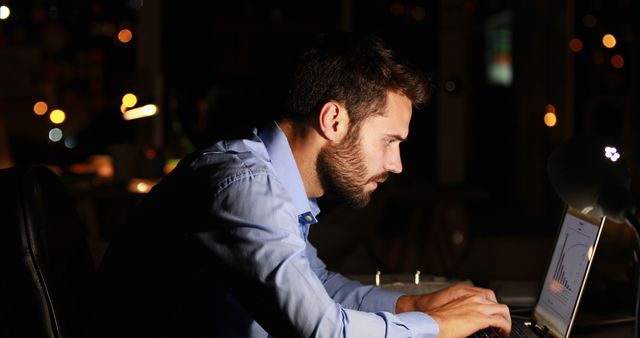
378, 179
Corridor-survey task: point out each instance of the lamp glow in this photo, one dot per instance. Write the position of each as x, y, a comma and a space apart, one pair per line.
140, 112
4, 12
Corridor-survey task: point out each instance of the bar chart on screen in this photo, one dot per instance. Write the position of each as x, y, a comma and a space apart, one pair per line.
569, 266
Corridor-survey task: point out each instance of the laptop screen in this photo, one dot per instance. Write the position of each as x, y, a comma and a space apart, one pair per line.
567, 272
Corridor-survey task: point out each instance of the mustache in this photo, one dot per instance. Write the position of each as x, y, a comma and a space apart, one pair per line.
380, 177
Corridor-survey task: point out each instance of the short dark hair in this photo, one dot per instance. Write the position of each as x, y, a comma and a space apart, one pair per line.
356, 70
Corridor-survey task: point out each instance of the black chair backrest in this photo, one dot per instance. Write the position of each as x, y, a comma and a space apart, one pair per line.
45, 261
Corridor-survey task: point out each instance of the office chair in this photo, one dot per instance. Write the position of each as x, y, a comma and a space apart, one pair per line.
45, 263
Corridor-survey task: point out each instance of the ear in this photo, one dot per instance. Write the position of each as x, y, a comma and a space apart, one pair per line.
333, 121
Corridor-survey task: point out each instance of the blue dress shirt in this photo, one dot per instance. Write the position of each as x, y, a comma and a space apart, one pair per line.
266, 216
219, 248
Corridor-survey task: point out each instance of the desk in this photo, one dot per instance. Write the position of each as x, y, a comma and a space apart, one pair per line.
521, 297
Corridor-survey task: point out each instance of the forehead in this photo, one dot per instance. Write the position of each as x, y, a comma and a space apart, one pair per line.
395, 118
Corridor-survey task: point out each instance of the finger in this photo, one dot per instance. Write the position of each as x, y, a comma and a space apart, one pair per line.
488, 293
503, 326
497, 310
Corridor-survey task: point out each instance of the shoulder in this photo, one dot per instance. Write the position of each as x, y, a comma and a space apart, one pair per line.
239, 180
223, 163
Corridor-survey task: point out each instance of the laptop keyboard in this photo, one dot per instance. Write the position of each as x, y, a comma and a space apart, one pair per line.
518, 330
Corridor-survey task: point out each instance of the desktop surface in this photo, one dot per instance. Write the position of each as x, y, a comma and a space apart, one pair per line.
596, 316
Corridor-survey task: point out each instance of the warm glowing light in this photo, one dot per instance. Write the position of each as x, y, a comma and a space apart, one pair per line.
139, 112
125, 35
575, 45
57, 116
129, 100
609, 41
4, 12
170, 164
590, 252
102, 165
150, 153
40, 108
550, 119
617, 61
550, 108
141, 186
55, 134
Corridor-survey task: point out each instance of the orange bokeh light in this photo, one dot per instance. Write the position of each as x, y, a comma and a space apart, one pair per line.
575, 45
617, 61
550, 119
125, 35
40, 108
609, 41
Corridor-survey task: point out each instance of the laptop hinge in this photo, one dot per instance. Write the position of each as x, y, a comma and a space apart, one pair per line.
543, 331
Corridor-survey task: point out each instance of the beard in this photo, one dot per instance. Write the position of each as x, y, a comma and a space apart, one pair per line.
343, 172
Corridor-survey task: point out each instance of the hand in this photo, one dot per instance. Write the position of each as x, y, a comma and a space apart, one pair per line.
466, 315
427, 302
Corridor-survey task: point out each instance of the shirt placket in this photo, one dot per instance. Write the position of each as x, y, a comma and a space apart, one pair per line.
305, 220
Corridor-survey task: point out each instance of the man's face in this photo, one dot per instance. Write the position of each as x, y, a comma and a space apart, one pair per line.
353, 167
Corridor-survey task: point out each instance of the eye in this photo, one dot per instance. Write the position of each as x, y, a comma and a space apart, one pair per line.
389, 141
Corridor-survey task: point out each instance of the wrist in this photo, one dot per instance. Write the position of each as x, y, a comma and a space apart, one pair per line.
406, 303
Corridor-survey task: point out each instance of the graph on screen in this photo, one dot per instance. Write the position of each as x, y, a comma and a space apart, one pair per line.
569, 263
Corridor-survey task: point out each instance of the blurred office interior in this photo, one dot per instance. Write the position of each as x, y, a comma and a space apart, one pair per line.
513, 81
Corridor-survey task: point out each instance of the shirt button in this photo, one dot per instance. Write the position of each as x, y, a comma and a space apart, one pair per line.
308, 218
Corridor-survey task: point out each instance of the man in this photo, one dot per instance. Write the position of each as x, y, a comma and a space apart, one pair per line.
219, 247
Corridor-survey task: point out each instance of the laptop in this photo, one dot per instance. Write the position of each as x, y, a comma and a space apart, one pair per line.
557, 304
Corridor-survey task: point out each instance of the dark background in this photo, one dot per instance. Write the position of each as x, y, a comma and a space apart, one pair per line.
474, 200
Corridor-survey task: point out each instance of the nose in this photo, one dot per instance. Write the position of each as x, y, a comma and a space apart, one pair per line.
393, 161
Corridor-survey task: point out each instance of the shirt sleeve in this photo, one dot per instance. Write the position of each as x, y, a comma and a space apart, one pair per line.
259, 246
351, 294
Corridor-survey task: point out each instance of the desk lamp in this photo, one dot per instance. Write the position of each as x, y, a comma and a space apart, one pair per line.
592, 177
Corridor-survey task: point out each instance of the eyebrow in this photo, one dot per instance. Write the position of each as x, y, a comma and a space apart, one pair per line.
397, 137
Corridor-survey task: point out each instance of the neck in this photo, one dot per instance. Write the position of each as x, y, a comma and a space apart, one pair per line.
305, 143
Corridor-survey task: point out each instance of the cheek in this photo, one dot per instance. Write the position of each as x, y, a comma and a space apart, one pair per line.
374, 159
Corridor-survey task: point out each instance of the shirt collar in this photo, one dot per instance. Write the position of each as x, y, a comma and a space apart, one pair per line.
286, 168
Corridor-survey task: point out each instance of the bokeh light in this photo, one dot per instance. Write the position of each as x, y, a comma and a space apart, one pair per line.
57, 116
4, 12
129, 100
550, 119
40, 108
617, 61
575, 45
609, 41
55, 134
125, 35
